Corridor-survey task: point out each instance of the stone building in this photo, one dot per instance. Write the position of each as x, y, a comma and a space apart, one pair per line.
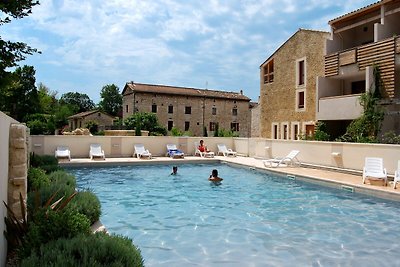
81, 119
189, 109
255, 119
287, 86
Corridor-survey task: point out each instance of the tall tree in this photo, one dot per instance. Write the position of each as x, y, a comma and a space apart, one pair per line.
111, 100
13, 52
22, 96
47, 99
77, 101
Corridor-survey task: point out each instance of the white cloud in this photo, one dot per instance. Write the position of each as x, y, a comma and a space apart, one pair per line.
167, 41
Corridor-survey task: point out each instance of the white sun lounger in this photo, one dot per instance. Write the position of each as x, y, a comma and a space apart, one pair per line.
373, 169
290, 159
96, 151
222, 149
62, 152
396, 175
204, 154
141, 152
174, 152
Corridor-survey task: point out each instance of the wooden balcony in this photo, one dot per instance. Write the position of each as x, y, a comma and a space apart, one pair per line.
379, 53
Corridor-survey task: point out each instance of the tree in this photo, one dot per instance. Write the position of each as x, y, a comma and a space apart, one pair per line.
78, 102
13, 52
47, 99
21, 96
111, 100
145, 121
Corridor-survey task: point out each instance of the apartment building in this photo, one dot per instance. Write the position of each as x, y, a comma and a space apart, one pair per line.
288, 85
190, 109
360, 40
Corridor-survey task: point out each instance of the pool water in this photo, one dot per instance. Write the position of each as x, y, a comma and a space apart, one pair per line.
251, 219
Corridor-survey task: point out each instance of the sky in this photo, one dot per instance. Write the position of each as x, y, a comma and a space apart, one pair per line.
213, 44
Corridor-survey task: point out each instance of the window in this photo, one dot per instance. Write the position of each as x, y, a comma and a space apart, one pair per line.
268, 71
170, 125
213, 126
295, 131
214, 111
301, 72
358, 87
187, 125
126, 108
235, 126
188, 110
284, 131
275, 131
154, 108
170, 109
234, 111
300, 100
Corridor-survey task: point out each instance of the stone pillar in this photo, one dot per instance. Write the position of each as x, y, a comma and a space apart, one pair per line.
18, 167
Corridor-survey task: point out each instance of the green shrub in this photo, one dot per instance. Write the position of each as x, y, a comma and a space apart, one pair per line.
37, 178
39, 198
47, 162
87, 203
62, 177
47, 225
98, 249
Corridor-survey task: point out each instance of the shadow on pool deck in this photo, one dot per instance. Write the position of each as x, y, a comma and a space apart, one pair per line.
331, 178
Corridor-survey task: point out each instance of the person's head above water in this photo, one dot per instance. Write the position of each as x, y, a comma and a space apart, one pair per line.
174, 169
214, 173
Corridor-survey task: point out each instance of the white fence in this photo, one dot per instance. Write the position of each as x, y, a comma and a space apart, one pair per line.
334, 154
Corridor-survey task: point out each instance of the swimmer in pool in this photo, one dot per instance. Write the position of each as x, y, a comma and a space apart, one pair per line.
174, 170
214, 176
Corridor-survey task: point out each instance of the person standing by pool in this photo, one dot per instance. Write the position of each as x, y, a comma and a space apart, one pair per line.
214, 177
174, 170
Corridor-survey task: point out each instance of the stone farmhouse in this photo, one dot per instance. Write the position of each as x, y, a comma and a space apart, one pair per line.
189, 109
287, 86
79, 120
360, 40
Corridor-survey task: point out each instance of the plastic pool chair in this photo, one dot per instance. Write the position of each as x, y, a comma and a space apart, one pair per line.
290, 159
373, 168
141, 152
396, 175
96, 151
174, 152
62, 152
222, 149
204, 154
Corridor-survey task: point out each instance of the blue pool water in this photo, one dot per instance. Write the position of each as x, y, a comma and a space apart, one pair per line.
251, 219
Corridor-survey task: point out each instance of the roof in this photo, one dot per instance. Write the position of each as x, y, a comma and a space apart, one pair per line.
361, 11
132, 87
87, 113
299, 30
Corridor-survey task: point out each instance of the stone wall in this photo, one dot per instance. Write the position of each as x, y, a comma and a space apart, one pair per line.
255, 121
278, 98
199, 116
18, 167
7, 167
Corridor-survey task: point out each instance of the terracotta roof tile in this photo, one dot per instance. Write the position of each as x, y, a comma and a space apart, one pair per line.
174, 90
86, 113
359, 10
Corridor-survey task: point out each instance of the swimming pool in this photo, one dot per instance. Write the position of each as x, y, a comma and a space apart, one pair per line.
251, 219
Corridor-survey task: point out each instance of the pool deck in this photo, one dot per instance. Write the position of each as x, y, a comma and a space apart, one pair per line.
350, 180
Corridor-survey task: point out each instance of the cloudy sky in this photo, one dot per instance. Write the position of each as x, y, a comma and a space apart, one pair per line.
218, 44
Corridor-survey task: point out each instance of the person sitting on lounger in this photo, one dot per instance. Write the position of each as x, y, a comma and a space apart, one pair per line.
202, 147
214, 177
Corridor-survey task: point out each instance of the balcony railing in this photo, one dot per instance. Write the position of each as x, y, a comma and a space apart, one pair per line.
346, 107
380, 53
